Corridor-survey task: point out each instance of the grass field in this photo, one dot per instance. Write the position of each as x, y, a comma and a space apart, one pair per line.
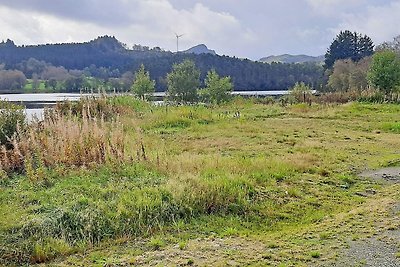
238, 184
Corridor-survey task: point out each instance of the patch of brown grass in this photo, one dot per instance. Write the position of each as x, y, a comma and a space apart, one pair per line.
64, 140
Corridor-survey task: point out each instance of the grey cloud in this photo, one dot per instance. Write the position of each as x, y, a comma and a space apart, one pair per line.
251, 28
115, 12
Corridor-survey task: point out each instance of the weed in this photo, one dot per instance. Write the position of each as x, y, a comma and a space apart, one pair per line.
391, 127
156, 243
182, 245
324, 236
267, 256
315, 254
230, 231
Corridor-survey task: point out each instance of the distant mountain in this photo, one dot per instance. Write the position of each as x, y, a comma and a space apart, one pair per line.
200, 49
286, 58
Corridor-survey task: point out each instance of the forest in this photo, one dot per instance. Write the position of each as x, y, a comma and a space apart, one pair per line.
108, 63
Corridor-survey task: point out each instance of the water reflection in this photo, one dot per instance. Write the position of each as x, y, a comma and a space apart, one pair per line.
35, 103
41, 98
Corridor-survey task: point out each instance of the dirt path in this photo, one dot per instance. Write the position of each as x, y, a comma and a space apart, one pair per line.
383, 248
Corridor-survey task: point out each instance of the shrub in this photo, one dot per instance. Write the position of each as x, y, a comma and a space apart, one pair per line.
12, 118
301, 93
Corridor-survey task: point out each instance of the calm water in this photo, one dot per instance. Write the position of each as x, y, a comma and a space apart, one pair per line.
40, 98
244, 93
35, 103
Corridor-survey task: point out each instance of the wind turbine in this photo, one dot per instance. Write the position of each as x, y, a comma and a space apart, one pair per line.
177, 41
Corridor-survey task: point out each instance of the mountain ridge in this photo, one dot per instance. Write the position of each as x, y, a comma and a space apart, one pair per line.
288, 58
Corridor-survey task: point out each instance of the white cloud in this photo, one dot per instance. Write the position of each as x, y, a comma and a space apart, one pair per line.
150, 22
334, 7
38, 28
381, 23
251, 28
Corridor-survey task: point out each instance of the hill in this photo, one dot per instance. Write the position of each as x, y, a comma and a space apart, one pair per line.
200, 49
286, 58
106, 57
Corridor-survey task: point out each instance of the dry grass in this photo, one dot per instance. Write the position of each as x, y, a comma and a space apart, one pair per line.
64, 140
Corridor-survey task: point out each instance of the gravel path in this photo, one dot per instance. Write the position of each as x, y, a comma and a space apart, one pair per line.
375, 251
391, 175
381, 250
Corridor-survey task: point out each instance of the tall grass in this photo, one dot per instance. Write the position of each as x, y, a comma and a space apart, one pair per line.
64, 140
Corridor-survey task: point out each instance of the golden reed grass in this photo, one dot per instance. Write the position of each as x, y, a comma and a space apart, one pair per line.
65, 140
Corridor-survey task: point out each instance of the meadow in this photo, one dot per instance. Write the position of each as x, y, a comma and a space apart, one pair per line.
250, 182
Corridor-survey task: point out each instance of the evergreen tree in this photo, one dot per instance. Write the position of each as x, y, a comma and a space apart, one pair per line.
348, 45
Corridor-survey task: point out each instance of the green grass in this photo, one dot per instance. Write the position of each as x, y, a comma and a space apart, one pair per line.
279, 182
40, 89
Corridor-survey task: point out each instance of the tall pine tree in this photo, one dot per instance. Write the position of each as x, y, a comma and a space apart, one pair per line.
348, 45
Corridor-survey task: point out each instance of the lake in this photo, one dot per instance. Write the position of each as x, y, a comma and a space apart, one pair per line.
33, 100
35, 103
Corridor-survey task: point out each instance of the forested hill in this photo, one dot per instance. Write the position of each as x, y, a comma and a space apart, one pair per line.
114, 58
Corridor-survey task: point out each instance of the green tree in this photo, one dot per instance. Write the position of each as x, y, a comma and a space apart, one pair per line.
348, 45
183, 82
143, 86
385, 71
217, 89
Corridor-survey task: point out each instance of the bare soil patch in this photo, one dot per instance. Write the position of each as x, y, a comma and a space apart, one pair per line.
391, 174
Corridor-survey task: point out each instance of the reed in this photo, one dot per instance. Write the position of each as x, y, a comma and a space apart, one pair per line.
66, 140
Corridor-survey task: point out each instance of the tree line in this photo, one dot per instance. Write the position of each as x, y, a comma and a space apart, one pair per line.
353, 64
110, 63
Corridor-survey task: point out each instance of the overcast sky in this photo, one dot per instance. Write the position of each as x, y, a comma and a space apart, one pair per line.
242, 28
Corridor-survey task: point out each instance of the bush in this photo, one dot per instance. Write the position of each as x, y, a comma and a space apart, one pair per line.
12, 118
301, 93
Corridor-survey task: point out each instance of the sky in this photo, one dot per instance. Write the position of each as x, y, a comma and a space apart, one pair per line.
243, 28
